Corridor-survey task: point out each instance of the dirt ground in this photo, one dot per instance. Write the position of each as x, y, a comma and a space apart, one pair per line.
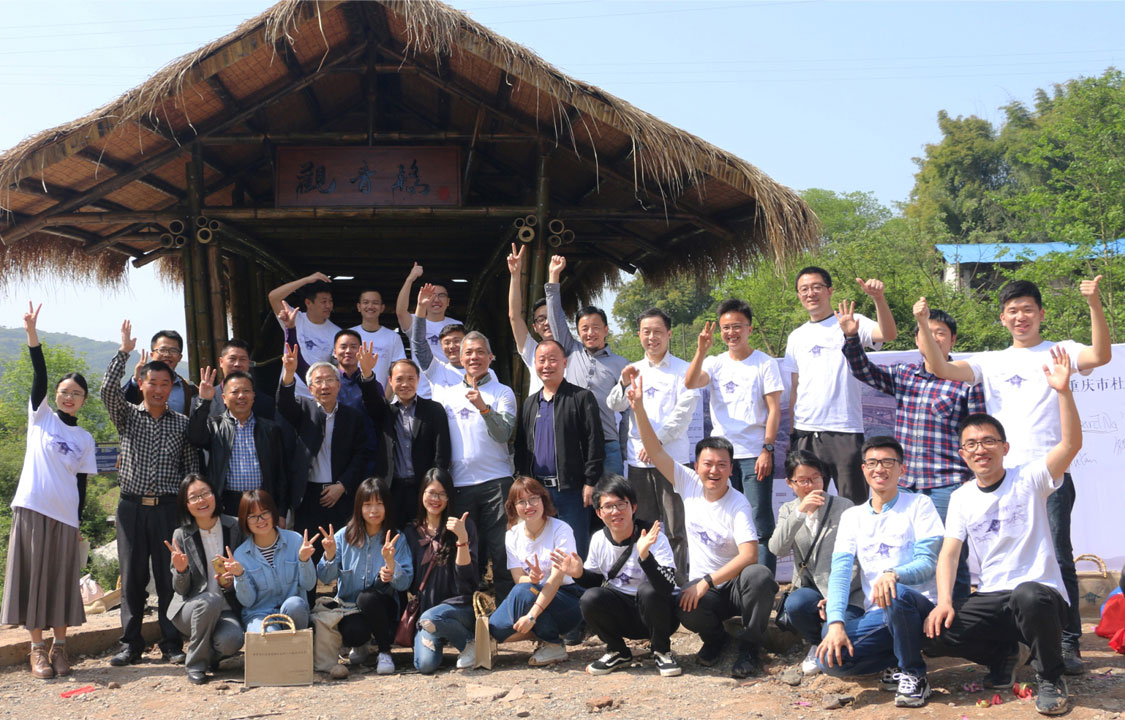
514, 690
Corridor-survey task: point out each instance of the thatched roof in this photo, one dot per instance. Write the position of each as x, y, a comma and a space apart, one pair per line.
88, 196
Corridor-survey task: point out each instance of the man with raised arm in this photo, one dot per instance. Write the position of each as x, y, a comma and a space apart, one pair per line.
1003, 515
384, 342
1018, 396
590, 363
435, 318
316, 334
167, 346
723, 546
745, 409
526, 344
824, 399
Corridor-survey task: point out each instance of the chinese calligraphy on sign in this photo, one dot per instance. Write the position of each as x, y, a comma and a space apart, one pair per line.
367, 176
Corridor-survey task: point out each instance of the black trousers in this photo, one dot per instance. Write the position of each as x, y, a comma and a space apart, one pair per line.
749, 595
839, 451
404, 501
141, 532
376, 621
1060, 504
613, 616
987, 627
310, 515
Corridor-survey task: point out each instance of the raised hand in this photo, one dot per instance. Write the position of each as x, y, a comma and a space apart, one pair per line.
128, 342
415, 273
647, 539
1058, 375
425, 297
921, 310
473, 396
179, 557
554, 270
706, 337
233, 567
368, 359
389, 549
307, 547
288, 315
456, 525
845, 315
30, 318
207, 383
636, 393
515, 260
534, 572
567, 562
328, 542
314, 277
140, 365
288, 363
872, 288
1088, 288
812, 502
628, 373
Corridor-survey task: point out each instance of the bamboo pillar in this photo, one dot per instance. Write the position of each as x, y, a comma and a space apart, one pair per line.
218, 306
189, 310
201, 328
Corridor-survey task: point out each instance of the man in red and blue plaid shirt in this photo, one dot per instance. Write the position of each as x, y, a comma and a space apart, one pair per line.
928, 416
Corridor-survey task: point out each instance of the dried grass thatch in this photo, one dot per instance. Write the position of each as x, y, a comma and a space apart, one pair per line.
63, 259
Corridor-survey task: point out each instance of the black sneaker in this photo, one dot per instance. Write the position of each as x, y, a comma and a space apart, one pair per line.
1053, 698
912, 690
1072, 662
667, 664
889, 681
125, 656
711, 651
609, 662
1003, 674
747, 664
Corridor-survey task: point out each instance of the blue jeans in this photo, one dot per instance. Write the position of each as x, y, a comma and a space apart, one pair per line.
886, 638
801, 612
453, 624
760, 495
1060, 504
940, 498
614, 462
575, 514
561, 616
296, 607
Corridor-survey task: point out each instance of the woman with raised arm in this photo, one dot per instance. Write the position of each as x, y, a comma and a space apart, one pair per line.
204, 607
444, 548
544, 603
41, 581
372, 564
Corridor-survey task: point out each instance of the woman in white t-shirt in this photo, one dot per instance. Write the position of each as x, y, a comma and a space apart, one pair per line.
41, 581
545, 601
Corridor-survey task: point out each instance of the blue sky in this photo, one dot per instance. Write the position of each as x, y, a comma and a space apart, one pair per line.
816, 94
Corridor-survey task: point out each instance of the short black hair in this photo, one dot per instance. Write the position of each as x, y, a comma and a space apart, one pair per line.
157, 366
239, 375
366, 290
797, 458
813, 270
655, 312
715, 442
452, 328
346, 332
232, 344
171, 335
310, 291
735, 305
1017, 289
541, 302
885, 442
614, 484
591, 310
552, 341
982, 420
943, 317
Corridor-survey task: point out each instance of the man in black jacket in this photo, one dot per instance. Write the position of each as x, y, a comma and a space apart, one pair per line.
331, 451
415, 435
245, 450
559, 441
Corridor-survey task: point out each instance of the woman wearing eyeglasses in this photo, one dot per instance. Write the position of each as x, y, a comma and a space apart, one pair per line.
204, 607
41, 580
273, 570
544, 604
444, 548
806, 527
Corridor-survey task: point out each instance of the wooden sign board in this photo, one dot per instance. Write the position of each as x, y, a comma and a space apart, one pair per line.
362, 176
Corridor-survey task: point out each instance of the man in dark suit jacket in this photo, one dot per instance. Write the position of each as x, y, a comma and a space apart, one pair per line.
415, 436
331, 451
245, 450
559, 441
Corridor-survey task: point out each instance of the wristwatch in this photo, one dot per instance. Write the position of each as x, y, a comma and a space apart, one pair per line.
768, 447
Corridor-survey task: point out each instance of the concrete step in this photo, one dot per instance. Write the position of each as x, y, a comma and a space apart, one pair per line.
98, 634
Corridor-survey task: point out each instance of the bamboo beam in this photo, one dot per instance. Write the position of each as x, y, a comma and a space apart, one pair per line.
258, 251
471, 155
119, 168
285, 51
153, 256
352, 137
371, 213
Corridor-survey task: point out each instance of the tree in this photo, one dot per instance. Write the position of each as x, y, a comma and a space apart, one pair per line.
682, 297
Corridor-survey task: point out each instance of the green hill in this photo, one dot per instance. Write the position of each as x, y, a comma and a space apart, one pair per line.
97, 353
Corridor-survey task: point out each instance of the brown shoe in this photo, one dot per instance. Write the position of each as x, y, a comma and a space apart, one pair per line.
40, 665
58, 660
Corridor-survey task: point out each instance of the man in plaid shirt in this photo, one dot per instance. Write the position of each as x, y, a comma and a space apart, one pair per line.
927, 419
155, 457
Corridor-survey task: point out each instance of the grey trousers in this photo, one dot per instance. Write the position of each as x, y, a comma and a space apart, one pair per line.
209, 628
749, 595
656, 500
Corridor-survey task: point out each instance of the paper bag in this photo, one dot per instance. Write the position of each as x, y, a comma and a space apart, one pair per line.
1094, 586
482, 637
280, 658
326, 615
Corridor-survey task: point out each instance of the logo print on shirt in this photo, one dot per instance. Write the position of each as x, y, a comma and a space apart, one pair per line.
63, 448
730, 386
707, 539
434, 340
465, 413
884, 550
624, 579
815, 350
1016, 381
650, 391
311, 344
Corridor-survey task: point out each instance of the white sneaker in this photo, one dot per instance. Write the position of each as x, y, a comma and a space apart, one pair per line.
385, 665
358, 655
548, 654
808, 665
468, 656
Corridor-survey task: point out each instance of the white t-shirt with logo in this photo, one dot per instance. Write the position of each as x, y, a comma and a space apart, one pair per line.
664, 395
387, 344
885, 540
603, 555
714, 529
1008, 528
317, 343
1017, 394
828, 395
738, 399
55, 454
477, 458
556, 534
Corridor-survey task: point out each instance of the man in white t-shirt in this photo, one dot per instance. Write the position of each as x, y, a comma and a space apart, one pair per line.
1018, 396
824, 401
384, 342
670, 405
526, 344
436, 319
722, 543
1004, 516
745, 395
895, 538
316, 334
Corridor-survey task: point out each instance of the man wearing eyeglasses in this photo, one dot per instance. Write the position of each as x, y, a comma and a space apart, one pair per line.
167, 346
824, 400
525, 343
895, 538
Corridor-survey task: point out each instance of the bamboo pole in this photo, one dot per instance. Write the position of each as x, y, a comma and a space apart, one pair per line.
200, 294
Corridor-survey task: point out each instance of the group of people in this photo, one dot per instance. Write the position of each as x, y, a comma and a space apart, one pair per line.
393, 477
